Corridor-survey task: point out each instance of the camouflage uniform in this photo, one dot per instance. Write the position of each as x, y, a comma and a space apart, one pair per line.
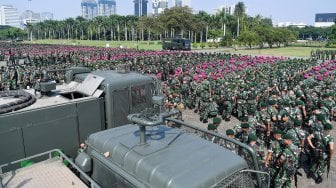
321, 141
285, 168
227, 104
242, 98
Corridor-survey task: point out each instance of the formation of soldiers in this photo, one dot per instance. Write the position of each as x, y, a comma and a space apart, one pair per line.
323, 54
285, 106
21, 65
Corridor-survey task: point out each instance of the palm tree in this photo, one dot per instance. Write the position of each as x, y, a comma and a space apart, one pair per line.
239, 13
203, 19
70, 22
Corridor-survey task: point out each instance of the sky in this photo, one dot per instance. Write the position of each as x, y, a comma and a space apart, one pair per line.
279, 10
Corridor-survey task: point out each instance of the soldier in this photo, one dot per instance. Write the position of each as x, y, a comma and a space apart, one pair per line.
211, 128
252, 97
216, 121
273, 111
285, 165
317, 125
322, 145
259, 150
227, 99
242, 135
242, 97
298, 134
178, 104
274, 149
229, 145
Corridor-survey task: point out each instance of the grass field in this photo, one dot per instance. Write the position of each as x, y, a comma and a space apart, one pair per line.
153, 45
283, 51
291, 51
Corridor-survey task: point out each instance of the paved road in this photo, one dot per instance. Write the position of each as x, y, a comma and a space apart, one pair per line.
192, 118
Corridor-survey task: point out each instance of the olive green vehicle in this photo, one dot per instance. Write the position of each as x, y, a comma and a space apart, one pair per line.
176, 44
108, 129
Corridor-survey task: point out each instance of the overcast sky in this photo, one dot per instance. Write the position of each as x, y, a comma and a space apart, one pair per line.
278, 10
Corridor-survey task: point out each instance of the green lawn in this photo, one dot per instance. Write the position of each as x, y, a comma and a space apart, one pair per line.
153, 45
291, 51
283, 51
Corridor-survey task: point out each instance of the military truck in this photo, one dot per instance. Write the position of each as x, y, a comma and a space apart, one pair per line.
176, 44
65, 115
144, 153
43, 133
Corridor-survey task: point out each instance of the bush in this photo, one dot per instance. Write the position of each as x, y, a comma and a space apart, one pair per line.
216, 45
331, 44
202, 45
195, 45
210, 44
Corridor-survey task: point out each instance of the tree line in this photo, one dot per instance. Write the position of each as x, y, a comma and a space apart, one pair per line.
238, 28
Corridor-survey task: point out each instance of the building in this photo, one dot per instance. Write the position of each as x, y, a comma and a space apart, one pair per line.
325, 19
182, 3
89, 9
9, 16
140, 7
31, 17
159, 6
229, 9
107, 7
46, 16
291, 24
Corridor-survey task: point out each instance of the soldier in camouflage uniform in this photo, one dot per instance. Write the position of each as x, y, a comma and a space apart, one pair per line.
197, 95
285, 165
259, 149
252, 97
274, 148
242, 97
242, 135
229, 145
227, 100
203, 103
273, 112
322, 145
208, 107
318, 123
298, 134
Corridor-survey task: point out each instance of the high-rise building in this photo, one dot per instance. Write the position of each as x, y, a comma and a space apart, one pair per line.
9, 16
182, 3
140, 8
89, 9
325, 19
159, 6
107, 7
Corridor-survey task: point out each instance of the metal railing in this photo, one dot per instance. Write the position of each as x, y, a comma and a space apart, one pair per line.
239, 148
50, 153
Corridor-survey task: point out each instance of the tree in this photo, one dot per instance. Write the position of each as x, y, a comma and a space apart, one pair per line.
12, 33
332, 35
249, 38
240, 14
178, 20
